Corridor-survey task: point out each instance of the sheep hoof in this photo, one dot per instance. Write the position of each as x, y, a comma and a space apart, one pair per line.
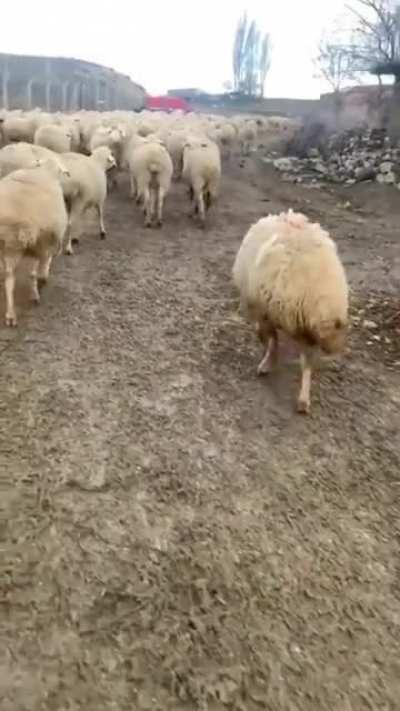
159, 223
35, 298
41, 282
103, 234
11, 320
264, 369
147, 224
75, 240
68, 251
303, 407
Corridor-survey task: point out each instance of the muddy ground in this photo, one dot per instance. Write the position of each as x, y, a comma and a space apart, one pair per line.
174, 536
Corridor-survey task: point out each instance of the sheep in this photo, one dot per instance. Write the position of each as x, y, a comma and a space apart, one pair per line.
87, 187
202, 172
114, 139
150, 170
18, 128
73, 127
175, 144
21, 155
33, 220
226, 136
290, 278
56, 138
247, 137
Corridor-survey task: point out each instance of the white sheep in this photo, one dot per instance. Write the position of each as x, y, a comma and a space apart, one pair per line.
202, 172
18, 128
150, 170
86, 188
22, 155
247, 135
175, 143
290, 278
113, 138
55, 138
33, 220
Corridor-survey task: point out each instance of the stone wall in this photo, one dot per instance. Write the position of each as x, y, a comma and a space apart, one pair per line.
298, 108
368, 105
60, 84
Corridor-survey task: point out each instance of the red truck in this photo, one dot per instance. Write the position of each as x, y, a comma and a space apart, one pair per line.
167, 103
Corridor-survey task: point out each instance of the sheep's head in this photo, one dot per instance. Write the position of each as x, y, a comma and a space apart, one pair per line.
332, 336
55, 167
104, 156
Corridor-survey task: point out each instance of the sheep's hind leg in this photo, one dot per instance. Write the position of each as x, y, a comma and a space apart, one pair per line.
160, 203
307, 358
99, 210
35, 296
147, 207
269, 338
132, 184
10, 265
45, 261
201, 208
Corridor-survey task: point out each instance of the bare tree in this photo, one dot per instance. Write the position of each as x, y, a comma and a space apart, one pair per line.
265, 62
251, 58
376, 35
335, 63
239, 52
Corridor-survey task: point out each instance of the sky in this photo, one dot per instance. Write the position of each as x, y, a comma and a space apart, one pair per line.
165, 44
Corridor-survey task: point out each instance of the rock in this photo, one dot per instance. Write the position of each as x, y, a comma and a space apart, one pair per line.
369, 324
386, 167
348, 157
365, 173
389, 178
285, 164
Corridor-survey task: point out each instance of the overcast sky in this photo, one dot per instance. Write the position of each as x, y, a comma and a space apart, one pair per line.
166, 44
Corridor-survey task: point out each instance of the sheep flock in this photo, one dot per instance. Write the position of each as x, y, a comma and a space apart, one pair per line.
54, 167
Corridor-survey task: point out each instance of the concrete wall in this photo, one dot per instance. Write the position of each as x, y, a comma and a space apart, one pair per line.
58, 83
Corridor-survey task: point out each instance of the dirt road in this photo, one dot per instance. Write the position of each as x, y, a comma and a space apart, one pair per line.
175, 537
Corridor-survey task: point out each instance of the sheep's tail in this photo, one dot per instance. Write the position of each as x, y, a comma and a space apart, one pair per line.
154, 168
27, 236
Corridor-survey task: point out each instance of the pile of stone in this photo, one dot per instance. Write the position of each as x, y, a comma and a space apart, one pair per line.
350, 157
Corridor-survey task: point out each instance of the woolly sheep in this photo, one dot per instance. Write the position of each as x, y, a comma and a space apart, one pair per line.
247, 137
114, 139
22, 155
18, 128
87, 187
202, 173
56, 138
33, 220
226, 135
290, 278
175, 144
150, 169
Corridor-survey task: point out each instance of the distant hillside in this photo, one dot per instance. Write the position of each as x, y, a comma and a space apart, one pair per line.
58, 83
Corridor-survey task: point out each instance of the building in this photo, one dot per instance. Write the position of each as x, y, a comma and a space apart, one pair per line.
61, 84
